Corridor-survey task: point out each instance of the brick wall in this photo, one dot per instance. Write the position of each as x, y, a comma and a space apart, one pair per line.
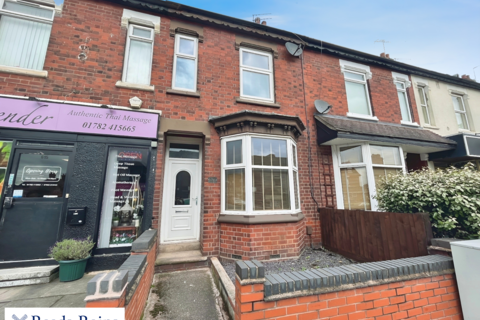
96, 24
260, 241
420, 299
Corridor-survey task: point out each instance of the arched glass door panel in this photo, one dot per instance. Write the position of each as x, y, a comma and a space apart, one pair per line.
182, 188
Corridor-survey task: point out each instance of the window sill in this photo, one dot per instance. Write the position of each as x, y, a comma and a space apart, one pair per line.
195, 94
260, 219
258, 103
128, 85
24, 72
361, 116
410, 124
464, 130
431, 127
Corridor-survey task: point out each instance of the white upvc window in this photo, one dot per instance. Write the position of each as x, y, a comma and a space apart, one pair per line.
185, 63
356, 76
424, 105
359, 168
25, 29
259, 175
256, 75
403, 100
460, 112
137, 68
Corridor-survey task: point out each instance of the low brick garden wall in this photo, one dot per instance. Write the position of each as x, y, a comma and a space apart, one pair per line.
413, 288
128, 287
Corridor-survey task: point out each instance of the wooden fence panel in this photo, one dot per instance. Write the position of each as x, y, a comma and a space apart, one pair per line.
374, 236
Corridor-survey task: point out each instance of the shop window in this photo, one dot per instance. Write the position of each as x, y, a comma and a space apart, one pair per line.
260, 174
124, 193
5, 150
40, 175
460, 112
185, 63
138, 55
256, 75
361, 168
24, 34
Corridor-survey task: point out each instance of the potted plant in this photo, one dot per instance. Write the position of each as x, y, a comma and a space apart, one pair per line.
115, 221
72, 255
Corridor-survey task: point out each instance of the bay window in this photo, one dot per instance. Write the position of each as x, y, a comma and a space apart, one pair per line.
24, 34
260, 175
359, 169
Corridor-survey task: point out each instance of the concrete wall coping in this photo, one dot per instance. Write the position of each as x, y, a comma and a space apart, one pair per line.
145, 242
313, 281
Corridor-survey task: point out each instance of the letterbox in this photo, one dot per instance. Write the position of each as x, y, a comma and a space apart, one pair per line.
76, 216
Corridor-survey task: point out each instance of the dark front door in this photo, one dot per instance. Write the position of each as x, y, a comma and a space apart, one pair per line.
33, 203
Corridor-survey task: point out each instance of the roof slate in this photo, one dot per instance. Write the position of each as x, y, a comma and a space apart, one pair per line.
382, 129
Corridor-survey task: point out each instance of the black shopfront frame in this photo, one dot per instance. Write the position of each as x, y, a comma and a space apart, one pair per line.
86, 186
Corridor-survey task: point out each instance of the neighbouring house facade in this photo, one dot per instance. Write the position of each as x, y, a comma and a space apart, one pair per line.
119, 116
453, 111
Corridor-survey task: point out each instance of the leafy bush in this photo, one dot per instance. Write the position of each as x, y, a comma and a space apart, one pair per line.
71, 249
450, 196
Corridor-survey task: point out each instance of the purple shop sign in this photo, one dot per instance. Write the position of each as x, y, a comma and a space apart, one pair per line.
42, 115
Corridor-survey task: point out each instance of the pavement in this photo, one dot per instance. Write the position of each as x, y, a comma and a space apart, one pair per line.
184, 295
55, 294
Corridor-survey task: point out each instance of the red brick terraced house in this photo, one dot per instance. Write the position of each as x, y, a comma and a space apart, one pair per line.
123, 115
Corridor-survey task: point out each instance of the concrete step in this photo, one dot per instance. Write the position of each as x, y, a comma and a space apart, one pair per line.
182, 246
27, 276
179, 257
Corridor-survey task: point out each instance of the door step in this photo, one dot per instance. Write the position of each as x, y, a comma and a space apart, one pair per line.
177, 247
27, 276
180, 260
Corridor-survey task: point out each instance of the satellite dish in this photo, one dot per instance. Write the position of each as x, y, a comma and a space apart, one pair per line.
294, 49
322, 106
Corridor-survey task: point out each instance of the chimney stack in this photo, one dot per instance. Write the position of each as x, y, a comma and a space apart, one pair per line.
257, 20
264, 22
466, 76
382, 54
388, 56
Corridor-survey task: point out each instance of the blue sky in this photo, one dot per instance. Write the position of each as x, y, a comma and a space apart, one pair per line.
440, 35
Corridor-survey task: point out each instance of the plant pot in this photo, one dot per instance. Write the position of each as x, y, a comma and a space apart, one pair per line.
71, 270
115, 223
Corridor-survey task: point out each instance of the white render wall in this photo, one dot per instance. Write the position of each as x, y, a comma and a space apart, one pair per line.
439, 95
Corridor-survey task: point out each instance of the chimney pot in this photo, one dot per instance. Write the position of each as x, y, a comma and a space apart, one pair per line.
382, 54
466, 76
388, 56
257, 20
264, 22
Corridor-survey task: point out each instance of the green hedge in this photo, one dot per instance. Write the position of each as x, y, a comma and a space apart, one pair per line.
450, 196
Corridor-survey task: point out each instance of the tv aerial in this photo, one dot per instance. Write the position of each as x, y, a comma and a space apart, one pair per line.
294, 49
322, 106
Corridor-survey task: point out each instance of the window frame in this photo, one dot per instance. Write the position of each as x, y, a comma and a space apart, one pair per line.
464, 112
27, 16
404, 91
269, 72
365, 86
177, 54
424, 106
130, 36
367, 164
246, 164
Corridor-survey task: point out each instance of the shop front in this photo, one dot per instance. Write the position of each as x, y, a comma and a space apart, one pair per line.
74, 171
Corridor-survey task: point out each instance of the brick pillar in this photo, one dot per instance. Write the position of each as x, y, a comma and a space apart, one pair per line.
249, 290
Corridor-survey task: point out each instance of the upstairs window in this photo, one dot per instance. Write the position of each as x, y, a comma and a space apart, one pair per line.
402, 99
460, 112
138, 55
185, 63
24, 34
357, 93
256, 75
424, 105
